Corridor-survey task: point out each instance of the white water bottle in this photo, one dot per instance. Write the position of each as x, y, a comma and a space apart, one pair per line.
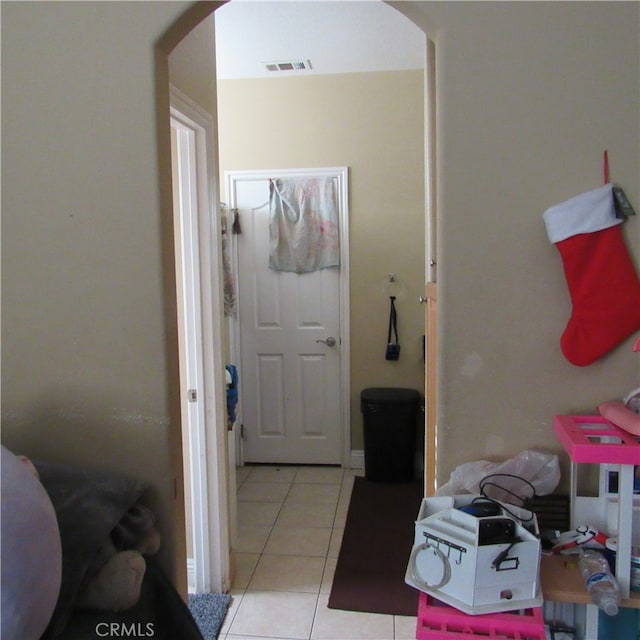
600, 582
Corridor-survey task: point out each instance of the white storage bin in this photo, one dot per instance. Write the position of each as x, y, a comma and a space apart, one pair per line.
478, 564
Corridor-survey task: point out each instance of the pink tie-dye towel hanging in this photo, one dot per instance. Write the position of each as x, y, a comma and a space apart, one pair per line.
303, 224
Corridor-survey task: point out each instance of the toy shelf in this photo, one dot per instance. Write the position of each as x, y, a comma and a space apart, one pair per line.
595, 440
438, 621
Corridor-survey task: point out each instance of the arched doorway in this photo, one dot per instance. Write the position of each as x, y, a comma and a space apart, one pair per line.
196, 15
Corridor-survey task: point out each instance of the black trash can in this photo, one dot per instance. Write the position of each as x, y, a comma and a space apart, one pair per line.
389, 418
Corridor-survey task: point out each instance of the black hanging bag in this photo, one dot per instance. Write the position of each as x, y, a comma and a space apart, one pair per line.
393, 348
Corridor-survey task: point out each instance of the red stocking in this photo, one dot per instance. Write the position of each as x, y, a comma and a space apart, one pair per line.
602, 281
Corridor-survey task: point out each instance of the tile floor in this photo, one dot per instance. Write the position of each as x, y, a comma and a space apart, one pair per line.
290, 525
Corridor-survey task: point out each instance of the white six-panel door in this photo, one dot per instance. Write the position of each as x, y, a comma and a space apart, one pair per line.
290, 346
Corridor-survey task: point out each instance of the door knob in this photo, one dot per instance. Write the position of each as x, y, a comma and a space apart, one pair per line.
330, 342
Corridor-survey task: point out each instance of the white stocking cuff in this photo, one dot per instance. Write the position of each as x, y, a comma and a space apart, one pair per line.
586, 213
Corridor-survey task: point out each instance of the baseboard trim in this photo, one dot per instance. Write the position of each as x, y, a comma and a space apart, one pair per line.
191, 575
357, 458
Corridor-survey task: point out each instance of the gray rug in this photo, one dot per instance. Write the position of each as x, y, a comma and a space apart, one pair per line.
209, 611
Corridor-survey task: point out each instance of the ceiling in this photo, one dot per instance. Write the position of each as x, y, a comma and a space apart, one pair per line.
335, 36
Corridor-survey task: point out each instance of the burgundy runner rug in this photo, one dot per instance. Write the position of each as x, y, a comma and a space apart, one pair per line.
375, 549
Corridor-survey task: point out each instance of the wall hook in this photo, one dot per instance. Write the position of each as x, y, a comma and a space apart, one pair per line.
392, 285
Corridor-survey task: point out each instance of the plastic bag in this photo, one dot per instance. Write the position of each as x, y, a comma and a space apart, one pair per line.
542, 470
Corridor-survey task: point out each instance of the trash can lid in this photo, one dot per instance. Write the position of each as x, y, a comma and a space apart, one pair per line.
390, 395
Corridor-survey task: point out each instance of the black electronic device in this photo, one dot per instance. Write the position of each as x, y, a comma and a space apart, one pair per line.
496, 531
482, 508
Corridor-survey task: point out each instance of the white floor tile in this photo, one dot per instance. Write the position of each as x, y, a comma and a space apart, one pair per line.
346, 489
341, 516
263, 492
327, 576
241, 474
332, 475
330, 624
335, 542
252, 538
233, 636
275, 614
236, 599
288, 573
245, 565
264, 513
271, 474
298, 514
314, 493
405, 627
299, 541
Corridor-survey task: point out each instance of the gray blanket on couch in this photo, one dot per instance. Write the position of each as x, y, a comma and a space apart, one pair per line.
88, 505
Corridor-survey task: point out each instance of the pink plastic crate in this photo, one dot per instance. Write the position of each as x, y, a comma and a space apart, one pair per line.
438, 621
585, 440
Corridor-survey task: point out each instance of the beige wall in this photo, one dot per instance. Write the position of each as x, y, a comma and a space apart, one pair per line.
529, 95
88, 345
355, 120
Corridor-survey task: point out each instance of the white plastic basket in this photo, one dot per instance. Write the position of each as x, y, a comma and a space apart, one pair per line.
478, 564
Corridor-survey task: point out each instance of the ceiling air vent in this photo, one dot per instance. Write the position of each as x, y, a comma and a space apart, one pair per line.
287, 65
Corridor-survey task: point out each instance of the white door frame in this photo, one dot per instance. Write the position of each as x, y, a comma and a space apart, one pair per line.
207, 451
341, 174
431, 221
